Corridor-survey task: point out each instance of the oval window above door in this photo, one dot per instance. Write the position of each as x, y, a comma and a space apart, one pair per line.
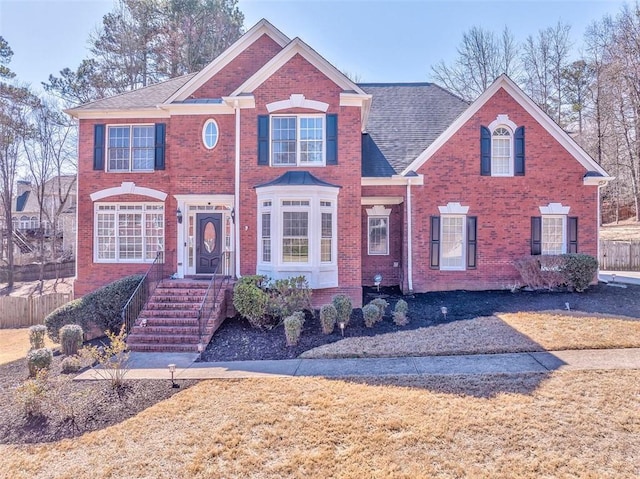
209, 237
210, 134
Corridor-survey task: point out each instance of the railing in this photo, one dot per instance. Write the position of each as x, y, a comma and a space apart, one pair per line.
143, 292
211, 297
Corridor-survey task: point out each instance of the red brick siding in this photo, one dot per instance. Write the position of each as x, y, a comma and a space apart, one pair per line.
383, 264
503, 206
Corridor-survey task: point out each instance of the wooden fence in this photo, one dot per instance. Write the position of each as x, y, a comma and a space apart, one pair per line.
31, 272
22, 312
619, 255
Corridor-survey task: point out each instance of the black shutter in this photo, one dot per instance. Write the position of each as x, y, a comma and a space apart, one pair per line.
435, 242
536, 235
332, 139
161, 129
572, 228
519, 152
472, 226
263, 139
485, 151
98, 147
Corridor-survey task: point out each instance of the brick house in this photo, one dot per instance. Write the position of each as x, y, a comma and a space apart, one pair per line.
271, 161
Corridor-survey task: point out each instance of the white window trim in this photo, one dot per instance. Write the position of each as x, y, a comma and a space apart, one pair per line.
463, 266
563, 244
106, 147
504, 122
377, 212
96, 210
298, 117
210, 121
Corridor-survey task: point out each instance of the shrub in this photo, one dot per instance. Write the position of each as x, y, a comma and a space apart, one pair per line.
70, 339
381, 304
541, 272
251, 301
39, 360
36, 336
71, 364
328, 317
400, 313
113, 359
101, 308
32, 393
344, 308
286, 296
371, 314
293, 328
579, 270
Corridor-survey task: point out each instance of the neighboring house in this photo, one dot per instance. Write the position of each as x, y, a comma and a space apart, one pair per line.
271, 161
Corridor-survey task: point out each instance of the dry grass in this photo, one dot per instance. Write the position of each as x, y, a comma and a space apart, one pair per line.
14, 344
503, 333
567, 424
628, 230
24, 289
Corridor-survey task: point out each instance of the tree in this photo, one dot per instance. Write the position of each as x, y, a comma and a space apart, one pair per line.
146, 41
482, 57
577, 79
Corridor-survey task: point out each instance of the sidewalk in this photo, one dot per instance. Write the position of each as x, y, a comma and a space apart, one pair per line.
155, 365
625, 277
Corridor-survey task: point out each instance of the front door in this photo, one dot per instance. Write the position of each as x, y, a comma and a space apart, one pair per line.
208, 244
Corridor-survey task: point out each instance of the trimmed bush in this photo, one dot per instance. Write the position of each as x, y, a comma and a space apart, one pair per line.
288, 295
39, 360
371, 314
36, 336
344, 308
293, 328
579, 270
70, 339
328, 318
71, 364
99, 309
381, 304
251, 301
400, 313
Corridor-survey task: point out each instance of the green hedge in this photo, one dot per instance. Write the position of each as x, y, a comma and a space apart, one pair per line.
100, 308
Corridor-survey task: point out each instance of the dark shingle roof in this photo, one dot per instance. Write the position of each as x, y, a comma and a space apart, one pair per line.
147, 97
296, 178
21, 201
405, 118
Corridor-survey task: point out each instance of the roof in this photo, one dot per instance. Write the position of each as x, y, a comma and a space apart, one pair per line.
405, 118
21, 201
296, 178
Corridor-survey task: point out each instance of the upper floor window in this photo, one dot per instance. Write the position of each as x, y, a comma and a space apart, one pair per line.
210, 134
502, 148
297, 140
130, 148
501, 152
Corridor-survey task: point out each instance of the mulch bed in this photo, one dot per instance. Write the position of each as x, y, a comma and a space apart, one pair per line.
236, 340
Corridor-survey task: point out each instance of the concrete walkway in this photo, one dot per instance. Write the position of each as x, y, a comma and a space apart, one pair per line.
155, 365
624, 277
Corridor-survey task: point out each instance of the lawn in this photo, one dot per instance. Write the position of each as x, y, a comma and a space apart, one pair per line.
566, 424
14, 344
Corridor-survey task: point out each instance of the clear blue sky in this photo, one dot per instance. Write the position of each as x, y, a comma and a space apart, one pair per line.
381, 41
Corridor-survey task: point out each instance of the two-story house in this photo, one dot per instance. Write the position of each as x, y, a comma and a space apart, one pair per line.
272, 161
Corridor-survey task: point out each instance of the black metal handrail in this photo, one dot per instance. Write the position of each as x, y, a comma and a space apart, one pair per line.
210, 299
143, 292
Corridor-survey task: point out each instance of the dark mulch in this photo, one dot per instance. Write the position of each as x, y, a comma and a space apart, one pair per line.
71, 408
237, 340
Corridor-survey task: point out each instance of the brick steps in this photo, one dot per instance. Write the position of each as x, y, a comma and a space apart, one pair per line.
169, 322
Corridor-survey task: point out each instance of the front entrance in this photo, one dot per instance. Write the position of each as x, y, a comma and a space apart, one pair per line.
208, 242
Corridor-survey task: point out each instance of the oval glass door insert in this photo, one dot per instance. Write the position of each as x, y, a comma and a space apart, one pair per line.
209, 239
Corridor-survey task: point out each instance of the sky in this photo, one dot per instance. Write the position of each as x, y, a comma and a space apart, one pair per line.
378, 41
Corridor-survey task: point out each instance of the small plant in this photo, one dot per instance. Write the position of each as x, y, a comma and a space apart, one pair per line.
293, 327
36, 336
288, 295
113, 359
71, 364
371, 314
579, 270
381, 304
32, 393
39, 360
328, 318
251, 301
344, 308
400, 313
70, 339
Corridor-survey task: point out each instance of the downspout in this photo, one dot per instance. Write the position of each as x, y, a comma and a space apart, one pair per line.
236, 199
409, 239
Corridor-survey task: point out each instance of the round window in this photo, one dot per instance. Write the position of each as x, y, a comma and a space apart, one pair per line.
210, 134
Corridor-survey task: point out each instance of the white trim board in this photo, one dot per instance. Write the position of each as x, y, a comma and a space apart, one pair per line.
128, 188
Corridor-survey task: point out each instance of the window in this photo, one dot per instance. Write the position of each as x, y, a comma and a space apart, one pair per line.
378, 235
297, 140
128, 232
295, 236
210, 134
131, 148
501, 151
452, 242
326, 238
553, 235
266, 237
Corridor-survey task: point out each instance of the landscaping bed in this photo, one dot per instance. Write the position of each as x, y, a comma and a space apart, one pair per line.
236, 340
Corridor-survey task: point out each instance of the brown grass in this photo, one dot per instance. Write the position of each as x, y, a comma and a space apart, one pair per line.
14, 344
628, 230
502, 333
566, 424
